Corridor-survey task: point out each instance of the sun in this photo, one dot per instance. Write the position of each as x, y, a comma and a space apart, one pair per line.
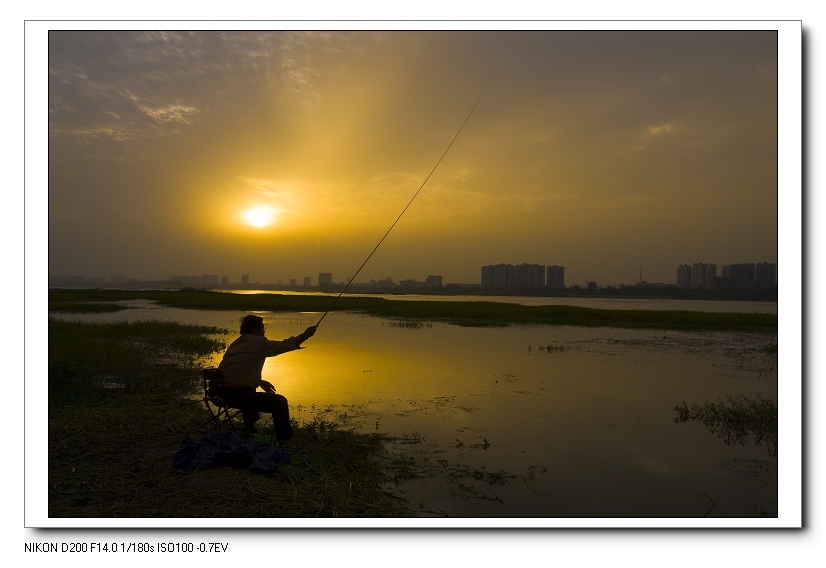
260, 216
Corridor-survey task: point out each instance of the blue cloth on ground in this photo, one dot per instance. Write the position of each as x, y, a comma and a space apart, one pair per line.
226, 448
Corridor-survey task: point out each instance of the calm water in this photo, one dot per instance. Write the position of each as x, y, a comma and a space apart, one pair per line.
531, 420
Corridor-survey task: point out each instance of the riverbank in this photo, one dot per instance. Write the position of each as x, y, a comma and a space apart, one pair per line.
120, 406
456, 313
114, 459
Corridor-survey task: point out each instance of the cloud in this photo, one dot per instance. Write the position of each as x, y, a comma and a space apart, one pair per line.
649, 134
274, 192
87, 135
660, 130
172, 113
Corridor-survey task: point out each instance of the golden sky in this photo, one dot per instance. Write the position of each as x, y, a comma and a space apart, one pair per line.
599, 151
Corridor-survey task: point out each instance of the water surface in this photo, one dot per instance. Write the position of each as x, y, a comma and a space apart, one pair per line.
530, 420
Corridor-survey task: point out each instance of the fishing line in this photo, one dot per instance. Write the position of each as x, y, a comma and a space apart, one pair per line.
408, 204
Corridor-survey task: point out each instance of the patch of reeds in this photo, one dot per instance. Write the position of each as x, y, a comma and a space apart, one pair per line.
554, 348
88, 361
736, 419
457, 313
87, 301
84, 307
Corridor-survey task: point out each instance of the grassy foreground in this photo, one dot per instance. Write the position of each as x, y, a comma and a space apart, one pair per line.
121, 400
458, 313
114, 459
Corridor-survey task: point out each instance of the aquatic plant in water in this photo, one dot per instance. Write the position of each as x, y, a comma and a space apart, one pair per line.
735, 419
409, 324
550, 348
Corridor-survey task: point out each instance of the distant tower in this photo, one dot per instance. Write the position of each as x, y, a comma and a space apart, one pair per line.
555, 277
245, 279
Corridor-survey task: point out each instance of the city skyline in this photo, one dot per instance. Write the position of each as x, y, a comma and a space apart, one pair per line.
274, 153
688, 276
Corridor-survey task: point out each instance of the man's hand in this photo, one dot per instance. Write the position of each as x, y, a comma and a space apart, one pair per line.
310, 331
267, 386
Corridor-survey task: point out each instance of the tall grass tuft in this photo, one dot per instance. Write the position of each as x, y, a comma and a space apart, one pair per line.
736, 419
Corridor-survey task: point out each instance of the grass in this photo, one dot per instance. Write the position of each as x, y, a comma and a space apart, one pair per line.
736, 419
88, 362
120, 403
457, 313
114, 459
84, 307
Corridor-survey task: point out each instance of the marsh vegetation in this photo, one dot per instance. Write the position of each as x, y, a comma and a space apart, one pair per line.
736, 419
88, 362
467, 314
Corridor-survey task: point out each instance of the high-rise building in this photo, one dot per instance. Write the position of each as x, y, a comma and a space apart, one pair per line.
528, 276
307, 282
555, 277
487, 276
740, 275
245, 279
224, 280
697, 275
703, 275
325, 278
766, 274
507, 276
433, 281
497, 276
684, 276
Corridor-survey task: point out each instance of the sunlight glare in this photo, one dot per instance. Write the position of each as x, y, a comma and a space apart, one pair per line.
260, 216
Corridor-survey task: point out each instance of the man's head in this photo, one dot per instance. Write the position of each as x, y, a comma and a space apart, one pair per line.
252, 324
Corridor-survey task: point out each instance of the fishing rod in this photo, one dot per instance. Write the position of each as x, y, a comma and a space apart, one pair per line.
408, 204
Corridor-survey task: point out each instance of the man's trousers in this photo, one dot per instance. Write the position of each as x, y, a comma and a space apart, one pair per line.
252, 402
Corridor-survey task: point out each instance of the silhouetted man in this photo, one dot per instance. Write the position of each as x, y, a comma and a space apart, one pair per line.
241, 367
